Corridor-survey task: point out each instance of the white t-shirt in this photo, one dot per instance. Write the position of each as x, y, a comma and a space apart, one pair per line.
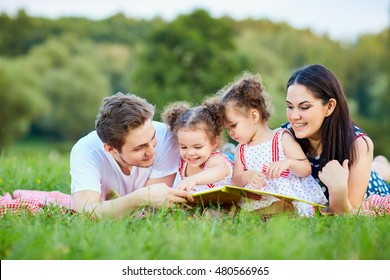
93, 168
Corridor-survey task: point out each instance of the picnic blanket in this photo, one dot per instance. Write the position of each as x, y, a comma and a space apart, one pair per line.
33, 201
374, 205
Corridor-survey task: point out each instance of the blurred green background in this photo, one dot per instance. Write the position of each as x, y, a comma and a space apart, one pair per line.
55, 72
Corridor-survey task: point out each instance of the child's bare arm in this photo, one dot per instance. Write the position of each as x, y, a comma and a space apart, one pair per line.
296, 160
217, 169
242, 177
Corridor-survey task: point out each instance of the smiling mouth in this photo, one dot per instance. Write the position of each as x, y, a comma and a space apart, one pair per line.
298, 125
192, 159
148, 159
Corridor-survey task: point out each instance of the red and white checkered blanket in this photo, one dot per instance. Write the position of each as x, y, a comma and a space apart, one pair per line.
33, 201
374, 205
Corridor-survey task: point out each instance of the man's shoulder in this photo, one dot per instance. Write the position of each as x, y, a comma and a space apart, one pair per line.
162, 131
159, 126
90, 137
91, 141
166, 142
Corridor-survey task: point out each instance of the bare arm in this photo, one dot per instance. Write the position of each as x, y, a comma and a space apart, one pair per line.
296, 159
169, 179
242, 177
347, 186
217, 169
238, 170
157, 195
359, 173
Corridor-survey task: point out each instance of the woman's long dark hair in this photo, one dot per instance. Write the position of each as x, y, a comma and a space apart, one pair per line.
337, 136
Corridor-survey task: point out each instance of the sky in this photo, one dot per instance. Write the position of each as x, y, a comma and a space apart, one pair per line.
340, 19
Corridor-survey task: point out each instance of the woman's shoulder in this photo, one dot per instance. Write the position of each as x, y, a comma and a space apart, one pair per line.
363, 142
358, 131
286, 125
361, 138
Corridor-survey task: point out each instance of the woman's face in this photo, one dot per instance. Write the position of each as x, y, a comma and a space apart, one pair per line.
305, 112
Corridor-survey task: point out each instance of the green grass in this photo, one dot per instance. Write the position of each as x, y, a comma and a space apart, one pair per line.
169, 234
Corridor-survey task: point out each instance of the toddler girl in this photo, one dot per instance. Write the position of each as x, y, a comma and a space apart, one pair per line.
202, 165
268, 159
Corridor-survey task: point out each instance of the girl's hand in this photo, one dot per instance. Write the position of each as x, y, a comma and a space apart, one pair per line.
275, 169
187, 184
255, 178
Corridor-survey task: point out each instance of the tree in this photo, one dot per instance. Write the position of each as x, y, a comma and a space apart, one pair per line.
116, 63
20, 100
186, 59
75, 93
18, 35
73, 82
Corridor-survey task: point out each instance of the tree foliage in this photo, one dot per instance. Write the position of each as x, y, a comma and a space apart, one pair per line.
20, 100
75, 93
187, 59
55, 72
73, 82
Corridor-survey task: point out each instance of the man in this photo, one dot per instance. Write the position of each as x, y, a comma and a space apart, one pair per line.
129, 161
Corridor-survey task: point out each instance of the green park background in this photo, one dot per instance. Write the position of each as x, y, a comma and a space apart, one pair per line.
55, 72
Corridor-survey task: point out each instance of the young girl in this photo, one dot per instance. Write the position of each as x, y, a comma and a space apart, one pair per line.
199, 130
268, 159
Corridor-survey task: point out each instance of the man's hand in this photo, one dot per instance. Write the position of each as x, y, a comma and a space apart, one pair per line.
160, 195
156, 195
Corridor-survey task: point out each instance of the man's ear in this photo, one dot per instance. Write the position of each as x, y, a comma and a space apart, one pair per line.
332, 103
110, 149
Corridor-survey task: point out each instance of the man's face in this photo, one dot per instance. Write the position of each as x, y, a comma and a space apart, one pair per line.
139, 147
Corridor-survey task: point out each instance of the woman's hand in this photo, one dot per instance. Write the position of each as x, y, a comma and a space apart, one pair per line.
335, 177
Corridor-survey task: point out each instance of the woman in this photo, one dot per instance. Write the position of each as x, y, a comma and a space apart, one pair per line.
341, 154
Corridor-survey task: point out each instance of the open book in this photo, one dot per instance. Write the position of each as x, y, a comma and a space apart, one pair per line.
227, 195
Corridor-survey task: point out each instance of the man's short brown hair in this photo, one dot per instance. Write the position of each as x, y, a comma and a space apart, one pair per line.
119, 114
